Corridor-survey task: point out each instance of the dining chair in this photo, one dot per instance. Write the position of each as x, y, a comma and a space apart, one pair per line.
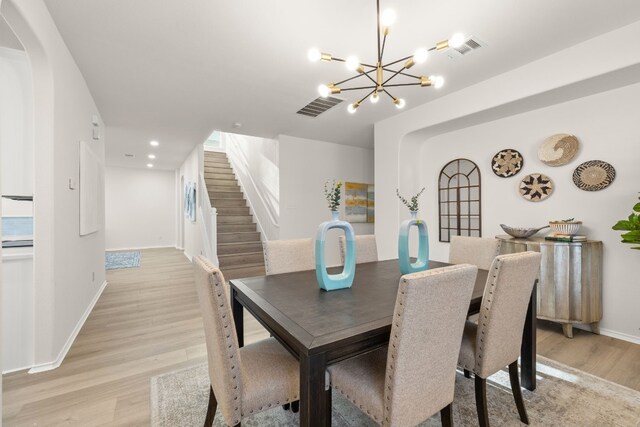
414, 377
366, 248
247, 380
479, 251
494, 342
286, 256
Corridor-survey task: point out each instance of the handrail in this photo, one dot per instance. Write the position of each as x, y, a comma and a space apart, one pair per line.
208, 216
245, 163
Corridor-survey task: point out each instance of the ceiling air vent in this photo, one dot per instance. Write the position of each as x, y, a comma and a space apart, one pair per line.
470, 44
319, 106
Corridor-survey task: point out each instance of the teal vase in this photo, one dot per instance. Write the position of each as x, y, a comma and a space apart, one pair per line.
422, 263
330, 282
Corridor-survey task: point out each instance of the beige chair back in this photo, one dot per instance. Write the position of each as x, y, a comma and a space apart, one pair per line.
366, 248
286, 256
220, 336
479, 251
426, 333
503, 310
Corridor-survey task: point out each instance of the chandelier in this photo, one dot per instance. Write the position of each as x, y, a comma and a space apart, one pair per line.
381, 74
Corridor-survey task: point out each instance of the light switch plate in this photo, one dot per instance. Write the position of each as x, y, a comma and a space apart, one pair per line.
96, 133
72, 184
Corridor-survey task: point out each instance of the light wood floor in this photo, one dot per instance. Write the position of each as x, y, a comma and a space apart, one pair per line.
147, 322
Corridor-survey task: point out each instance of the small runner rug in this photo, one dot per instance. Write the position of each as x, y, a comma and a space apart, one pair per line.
116, 260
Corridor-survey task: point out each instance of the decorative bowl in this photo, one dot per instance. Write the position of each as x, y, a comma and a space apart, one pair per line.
520, 232
565, 227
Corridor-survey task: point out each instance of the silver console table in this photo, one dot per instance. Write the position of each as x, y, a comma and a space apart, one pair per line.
570, 281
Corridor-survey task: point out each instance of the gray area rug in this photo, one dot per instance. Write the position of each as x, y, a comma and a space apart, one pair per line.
117, 260
564, 397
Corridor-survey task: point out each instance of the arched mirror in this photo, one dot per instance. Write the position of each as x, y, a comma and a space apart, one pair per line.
459, 200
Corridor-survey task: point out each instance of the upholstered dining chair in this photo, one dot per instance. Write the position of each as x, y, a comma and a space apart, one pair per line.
247, 380
414, 377
366, 248
494, 342
479, 251
286, 256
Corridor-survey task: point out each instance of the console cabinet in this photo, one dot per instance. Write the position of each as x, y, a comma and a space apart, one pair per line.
570, 280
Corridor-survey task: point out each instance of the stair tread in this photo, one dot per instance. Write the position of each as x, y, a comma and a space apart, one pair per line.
239, 254
238, 267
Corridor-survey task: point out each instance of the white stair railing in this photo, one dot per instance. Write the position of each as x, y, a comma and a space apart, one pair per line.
208, 215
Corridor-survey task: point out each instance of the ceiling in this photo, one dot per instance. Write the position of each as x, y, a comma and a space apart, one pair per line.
174, 71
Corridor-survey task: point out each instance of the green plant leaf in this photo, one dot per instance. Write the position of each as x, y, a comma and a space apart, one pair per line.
622, 225
637, 207
632, 236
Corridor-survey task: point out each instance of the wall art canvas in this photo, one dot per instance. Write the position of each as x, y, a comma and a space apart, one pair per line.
558, 149
91, 190
536, 187
355, 201
371, 204
594, 175
190, 201
507, 163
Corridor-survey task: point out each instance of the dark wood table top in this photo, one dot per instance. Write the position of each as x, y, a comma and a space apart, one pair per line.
310, 320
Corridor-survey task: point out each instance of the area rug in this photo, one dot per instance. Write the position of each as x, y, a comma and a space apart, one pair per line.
564, 397
116, 260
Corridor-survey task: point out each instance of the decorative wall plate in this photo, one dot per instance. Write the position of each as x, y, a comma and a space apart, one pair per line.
507, 163
594, 175
558, 149
536, 187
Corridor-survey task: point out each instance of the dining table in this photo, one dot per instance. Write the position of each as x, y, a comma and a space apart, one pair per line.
320, 328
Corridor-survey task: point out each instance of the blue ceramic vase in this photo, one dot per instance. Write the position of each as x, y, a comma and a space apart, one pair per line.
330, 282
422, 263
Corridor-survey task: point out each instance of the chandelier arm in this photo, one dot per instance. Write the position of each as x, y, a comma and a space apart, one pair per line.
395, 73
403, 84
390, 96
366, 96
371, 78
401, 73
369, 65
399, 60
378, 27
354, 77
359, 88
384, 41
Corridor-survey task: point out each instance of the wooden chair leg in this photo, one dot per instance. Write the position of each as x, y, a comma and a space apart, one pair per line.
517, 393
481, 401
446, 416
211, 409
295, 406
467, 374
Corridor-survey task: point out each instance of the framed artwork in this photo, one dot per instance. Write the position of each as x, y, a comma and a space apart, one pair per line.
190, 201
359, 202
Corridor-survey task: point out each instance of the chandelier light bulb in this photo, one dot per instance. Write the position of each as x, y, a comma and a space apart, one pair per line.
400, 103
388, 17
352, 63
437, 81
420, 55
314, 55
324, 90
374, 98
456, 40
353, 107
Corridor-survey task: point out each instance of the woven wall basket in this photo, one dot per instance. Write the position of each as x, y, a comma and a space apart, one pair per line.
558, 149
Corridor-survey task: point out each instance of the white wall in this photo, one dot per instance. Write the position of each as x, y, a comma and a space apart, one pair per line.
564, 76
192, 232
16, 122
69, 269
607, 126
255, 163
139, 208
305, 165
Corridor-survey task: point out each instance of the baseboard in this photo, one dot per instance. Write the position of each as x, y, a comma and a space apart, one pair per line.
620, 336
137, 248
65, 349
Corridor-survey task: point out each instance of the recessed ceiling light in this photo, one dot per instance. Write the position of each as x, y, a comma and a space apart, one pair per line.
149, 165
236, 125
154, 143
152, 156
128, 155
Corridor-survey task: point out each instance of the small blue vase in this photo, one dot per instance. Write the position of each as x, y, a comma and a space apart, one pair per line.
422, 263
330, 282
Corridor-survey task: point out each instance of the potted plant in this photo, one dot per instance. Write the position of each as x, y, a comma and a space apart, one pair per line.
422, 263
632, 227
332, 194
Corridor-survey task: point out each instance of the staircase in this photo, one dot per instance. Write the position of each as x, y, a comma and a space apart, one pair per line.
239, 244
